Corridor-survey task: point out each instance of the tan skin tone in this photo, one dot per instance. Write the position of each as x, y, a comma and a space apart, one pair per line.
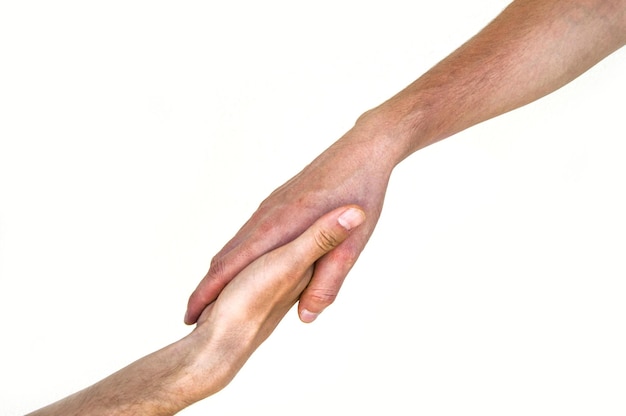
244, 315
531, 49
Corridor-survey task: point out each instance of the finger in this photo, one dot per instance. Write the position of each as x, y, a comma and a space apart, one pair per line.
326, 234
272, 283
210, 286
330, 272
293, 262
232, 259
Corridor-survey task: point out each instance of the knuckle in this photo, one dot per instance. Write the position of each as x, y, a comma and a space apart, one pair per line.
346, 255
325, 240
321, 297
217, 269
265, 227
217, 266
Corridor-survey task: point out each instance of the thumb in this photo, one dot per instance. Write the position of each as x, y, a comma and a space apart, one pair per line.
326, 233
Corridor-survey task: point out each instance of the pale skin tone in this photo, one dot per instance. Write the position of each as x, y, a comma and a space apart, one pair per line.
244, 315
531, 49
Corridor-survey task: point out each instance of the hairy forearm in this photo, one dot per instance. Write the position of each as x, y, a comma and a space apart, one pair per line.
155, 385
531, 49
198, 365
206, 360
228, 332
174, 377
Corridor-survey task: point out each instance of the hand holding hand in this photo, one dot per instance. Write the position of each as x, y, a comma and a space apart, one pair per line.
253, 303
228, 332
355, 169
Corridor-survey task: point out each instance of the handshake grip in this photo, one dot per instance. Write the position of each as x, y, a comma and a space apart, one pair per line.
251, 306
229, 330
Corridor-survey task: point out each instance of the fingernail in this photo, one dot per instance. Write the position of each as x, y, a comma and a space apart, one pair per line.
351, 218
307, 316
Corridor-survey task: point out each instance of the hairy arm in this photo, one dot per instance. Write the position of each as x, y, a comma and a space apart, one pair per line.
228, 332
531, 49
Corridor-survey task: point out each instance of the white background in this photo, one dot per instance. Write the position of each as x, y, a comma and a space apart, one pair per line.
137, 137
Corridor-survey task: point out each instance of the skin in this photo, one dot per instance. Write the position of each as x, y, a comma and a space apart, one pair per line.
228, 332
531, 49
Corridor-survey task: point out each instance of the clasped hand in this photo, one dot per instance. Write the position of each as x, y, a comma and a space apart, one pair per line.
228, 331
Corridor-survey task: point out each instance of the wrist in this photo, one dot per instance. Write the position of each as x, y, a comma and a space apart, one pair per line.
395, 128
216, 353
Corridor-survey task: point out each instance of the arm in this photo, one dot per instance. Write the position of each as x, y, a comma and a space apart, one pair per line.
228, 332
531, 49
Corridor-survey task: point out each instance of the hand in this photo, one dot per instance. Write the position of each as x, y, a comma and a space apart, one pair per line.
228, 332
253, 303
355, 169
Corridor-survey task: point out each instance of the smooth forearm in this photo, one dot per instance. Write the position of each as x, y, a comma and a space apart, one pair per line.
531, 49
